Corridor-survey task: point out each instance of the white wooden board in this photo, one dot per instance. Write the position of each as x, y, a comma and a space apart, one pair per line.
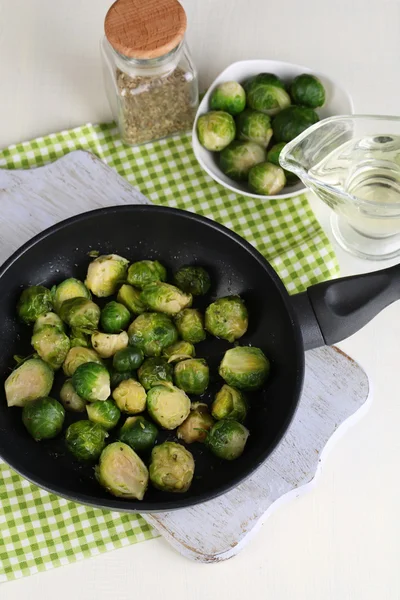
335, 387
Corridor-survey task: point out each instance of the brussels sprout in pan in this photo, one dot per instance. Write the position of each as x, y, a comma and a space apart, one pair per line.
78, 356
31, 380
273, 157
51, 344
266, 96
143, 272
139, 434
85, 440
196, 426
193, 280
238, 158
245, 368
227, 318
122, 472
267, 179
43, 418
91, 382
192, 375
152, 332
105, 273
168, 406
171, 468
229, 403
128, 359
105, 413
190, 325
179, 351
130, 397
216, 130
254, 126
155, 371
292, 121
79, 337
107, 344
68, 289
33, 302
80, 312
307, 90
228, 96
165, 298
227, 439
48, 318
70, 399
130, 298
114, 317
116, 378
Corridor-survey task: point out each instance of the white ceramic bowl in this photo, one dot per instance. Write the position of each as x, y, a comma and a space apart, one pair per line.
338, 102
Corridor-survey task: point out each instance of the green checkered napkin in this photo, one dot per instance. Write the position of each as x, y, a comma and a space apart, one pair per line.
39, 531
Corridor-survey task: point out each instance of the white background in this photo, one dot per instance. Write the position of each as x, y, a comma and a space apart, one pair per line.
341, 540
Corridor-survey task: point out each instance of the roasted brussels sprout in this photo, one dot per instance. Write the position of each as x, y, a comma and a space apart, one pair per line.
254, 126
227, 318
292, 121
130, 298
237, 159
152, 332
196, 426
49, 318
266, 78
193, 280
122, 472
80, 312
116, 378
190, 325
307, 90
245, 368
91, 382
139, 434
155, 371
228, 96
192, 375
167, 405
68, 289
78, 356
229, 403
264, 95
107, 344
216, 130
70, 399
31, 380
114, 317
171, 468
51, 344
105, 273
33, 302
273, 157
85, 440
79, 337
128, 359
130, 397
165, 298
267, 179
43, 418
143, 272
105, 413
227, 439
179, 351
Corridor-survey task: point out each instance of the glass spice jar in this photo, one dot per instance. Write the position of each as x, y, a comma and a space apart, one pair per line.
150, 79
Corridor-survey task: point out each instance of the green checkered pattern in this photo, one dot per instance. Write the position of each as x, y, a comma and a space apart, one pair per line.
39, 531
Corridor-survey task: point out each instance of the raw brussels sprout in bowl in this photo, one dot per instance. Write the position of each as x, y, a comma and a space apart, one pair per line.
269, 87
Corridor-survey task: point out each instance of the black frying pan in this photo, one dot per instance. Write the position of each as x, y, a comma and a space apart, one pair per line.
325, 314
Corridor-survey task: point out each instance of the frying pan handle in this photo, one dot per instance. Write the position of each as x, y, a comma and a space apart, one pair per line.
333, 310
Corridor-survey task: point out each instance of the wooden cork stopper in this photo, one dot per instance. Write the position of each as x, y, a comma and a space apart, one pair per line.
145, 29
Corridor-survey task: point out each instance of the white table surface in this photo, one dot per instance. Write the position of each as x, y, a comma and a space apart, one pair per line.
342, 540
